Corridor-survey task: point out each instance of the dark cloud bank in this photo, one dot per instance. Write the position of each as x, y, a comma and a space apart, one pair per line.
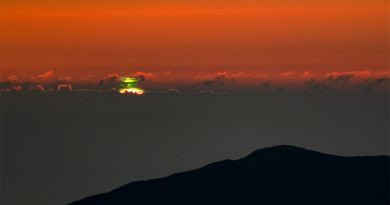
57, 147
221, 82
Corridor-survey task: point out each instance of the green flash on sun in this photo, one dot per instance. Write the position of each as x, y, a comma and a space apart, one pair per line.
129, 85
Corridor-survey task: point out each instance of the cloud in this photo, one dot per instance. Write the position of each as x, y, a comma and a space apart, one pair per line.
8, 86
361, 79
382, 74
248, 77
220, 79
233, 80
64, 87
36, 88
287, 74
330, 83
143, 76
110, 82
340, 79
16, 88
21, 86
374, 84
113, 75
358, 73
5, 86
65, 78
46, 75
12, 78
307, 74
173, 91
218, 82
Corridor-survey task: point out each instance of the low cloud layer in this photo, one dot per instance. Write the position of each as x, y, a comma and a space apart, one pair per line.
364, 80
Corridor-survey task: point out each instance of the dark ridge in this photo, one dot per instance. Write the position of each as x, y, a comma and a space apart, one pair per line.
276, 175
283, 149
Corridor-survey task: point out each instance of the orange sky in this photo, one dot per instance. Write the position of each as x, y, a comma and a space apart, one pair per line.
80, 38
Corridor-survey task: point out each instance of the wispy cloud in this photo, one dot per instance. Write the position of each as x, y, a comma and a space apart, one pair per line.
48, 74
287, 74
12, 78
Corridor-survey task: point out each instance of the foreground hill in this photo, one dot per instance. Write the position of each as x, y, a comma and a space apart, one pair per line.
276, 175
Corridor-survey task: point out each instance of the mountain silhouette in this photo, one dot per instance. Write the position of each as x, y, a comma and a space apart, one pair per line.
276, 175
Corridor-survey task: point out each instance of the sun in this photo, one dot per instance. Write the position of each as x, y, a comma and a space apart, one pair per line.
131, 91
129, 86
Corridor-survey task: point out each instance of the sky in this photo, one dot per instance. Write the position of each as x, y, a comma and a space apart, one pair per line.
91, 39
315, 75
